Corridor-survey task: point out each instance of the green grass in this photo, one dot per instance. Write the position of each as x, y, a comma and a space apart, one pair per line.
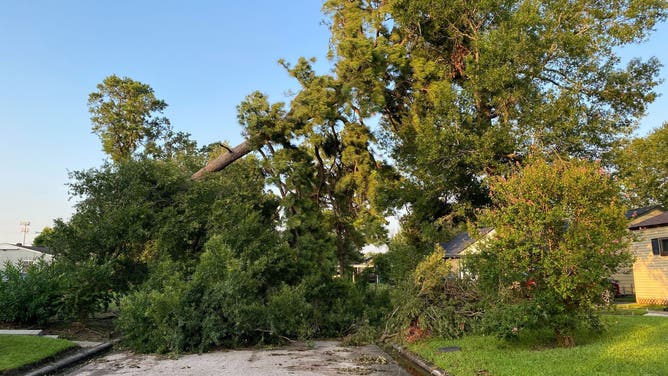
18, 351
636, 309
632, 345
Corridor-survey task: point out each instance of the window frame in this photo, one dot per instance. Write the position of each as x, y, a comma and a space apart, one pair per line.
660, 246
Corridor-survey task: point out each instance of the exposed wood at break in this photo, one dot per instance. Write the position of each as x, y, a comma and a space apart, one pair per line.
223, 160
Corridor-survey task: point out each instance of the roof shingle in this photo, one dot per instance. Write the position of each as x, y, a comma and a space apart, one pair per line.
657, 221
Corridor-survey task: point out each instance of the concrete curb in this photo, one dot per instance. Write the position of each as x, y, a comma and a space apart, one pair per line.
73, 359
418, 362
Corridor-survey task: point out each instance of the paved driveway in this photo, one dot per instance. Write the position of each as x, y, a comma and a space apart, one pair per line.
320, 358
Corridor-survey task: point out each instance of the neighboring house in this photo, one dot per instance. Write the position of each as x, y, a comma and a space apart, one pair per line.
367, 263
463, 244
640, 214
650, 269
647, 278
625, 276
21, 254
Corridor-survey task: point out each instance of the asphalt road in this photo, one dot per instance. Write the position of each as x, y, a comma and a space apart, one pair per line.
318, 358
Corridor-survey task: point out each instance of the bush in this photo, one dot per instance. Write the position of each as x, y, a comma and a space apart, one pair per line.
434, 302
85, 287
181, 310
560, 234
289, 314
64, 289
29, 297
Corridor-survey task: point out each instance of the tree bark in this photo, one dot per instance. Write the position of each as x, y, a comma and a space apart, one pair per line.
223, 160
564, 340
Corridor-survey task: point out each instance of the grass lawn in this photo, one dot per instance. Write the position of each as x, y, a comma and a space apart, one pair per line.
17, 351
636, 309
632, 345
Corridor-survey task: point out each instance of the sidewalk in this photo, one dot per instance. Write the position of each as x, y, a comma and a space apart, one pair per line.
657, 313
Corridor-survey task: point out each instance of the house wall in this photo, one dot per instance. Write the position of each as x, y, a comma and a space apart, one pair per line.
650, 272
16, 255
478, 244
454, 266
625, 276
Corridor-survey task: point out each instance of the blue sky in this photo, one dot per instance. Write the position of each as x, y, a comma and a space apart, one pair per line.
201, 57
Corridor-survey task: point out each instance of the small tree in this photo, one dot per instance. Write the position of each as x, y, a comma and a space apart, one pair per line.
560, 234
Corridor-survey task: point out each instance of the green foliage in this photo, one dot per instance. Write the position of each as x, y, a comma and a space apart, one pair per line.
643, 169
466, 89
31, 296
434, 302
341, 306
123, 115
61, 288
430, 274
122, 208
42, 239
289, 313
560, 232
135, 211
216, 304
318, 153
363, 334
225, 301
398, 263
85, 287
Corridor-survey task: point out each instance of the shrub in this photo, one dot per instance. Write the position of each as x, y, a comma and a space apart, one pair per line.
85, 287
148, 316
64, 289
434, 302
29, 297
560, 234
289, 314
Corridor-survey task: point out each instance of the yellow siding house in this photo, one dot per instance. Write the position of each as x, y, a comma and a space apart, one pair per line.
624, 277
650, 269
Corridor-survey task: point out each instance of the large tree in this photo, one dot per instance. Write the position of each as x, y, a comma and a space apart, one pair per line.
643, 168
318, 153
465, 88
126, 115
462, 90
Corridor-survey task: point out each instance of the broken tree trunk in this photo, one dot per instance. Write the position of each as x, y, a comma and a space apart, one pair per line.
224, 160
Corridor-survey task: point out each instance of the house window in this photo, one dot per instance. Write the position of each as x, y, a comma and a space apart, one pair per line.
660, 246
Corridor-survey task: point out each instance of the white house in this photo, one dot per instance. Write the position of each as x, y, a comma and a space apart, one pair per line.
22, 254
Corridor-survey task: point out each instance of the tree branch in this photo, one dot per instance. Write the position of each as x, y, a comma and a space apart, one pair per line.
224, 160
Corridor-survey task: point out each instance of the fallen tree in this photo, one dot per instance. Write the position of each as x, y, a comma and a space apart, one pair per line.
223, 160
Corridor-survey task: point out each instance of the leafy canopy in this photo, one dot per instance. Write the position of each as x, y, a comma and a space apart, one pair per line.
643, 168
466, 88
560, 234
125, 115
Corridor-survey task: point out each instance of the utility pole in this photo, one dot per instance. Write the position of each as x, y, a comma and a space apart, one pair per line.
25, 228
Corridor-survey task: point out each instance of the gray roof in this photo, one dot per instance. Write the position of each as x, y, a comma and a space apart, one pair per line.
639, 212
657, 221
454, 247
46, 250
